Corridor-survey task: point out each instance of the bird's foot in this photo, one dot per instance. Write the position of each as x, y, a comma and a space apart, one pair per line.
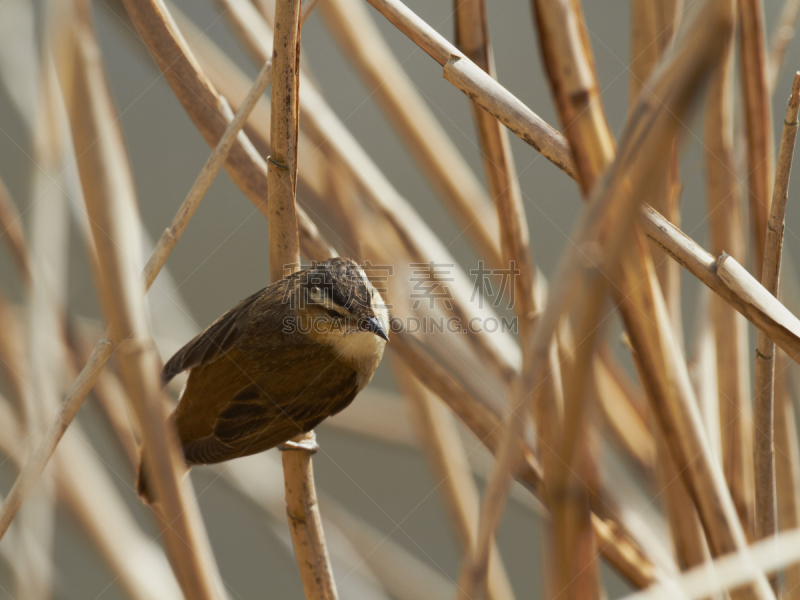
310, 445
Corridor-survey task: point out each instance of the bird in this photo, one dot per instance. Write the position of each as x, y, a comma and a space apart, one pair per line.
277, 364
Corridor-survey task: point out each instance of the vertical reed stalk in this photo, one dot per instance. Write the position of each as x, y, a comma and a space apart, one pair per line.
302, 510
763, 403
787, 459
727, 234
758, 117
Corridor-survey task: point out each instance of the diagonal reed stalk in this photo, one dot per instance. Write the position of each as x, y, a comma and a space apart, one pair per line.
104, 349
305, 523
110, 202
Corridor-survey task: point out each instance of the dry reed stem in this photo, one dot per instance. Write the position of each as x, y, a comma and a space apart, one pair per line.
612, 208
728, 572
88, 376
781, 36
428, 143
201, 102
763, 402
478, 85
568, 62
726, 228
401, 573
472, 35
780, 325
439, 437
662, 361
787, 457
232, 83
472, 38
305, 523
758, 114
653, 25
110, 201
12, 232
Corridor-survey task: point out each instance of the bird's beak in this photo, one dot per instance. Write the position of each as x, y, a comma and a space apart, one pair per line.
376, 327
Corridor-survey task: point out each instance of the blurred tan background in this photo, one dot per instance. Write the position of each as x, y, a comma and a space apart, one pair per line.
222, 257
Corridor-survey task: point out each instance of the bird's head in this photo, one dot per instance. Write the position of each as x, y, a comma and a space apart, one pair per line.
344, 308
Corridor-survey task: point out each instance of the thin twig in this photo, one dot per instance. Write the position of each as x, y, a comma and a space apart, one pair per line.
763, 402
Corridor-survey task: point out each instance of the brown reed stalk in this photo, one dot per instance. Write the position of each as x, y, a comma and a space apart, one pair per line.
758, 117
763, 402
575, 570
745, 294
66, 412
305, 523
427, 141
472, 36
592, 224
677, 413
781, 36
726, 228
439, 437
110, 201
653, 26
787, 457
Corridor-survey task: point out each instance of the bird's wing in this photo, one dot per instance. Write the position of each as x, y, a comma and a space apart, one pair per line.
253, 422
217, 339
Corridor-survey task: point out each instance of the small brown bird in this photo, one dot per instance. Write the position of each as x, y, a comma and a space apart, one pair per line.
277, 364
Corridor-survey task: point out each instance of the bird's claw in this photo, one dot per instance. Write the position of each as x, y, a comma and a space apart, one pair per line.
310, 446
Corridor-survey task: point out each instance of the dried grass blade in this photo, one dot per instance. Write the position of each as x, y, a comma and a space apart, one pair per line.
763, 403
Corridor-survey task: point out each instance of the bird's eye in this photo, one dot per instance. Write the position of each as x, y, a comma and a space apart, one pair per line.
333, 314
